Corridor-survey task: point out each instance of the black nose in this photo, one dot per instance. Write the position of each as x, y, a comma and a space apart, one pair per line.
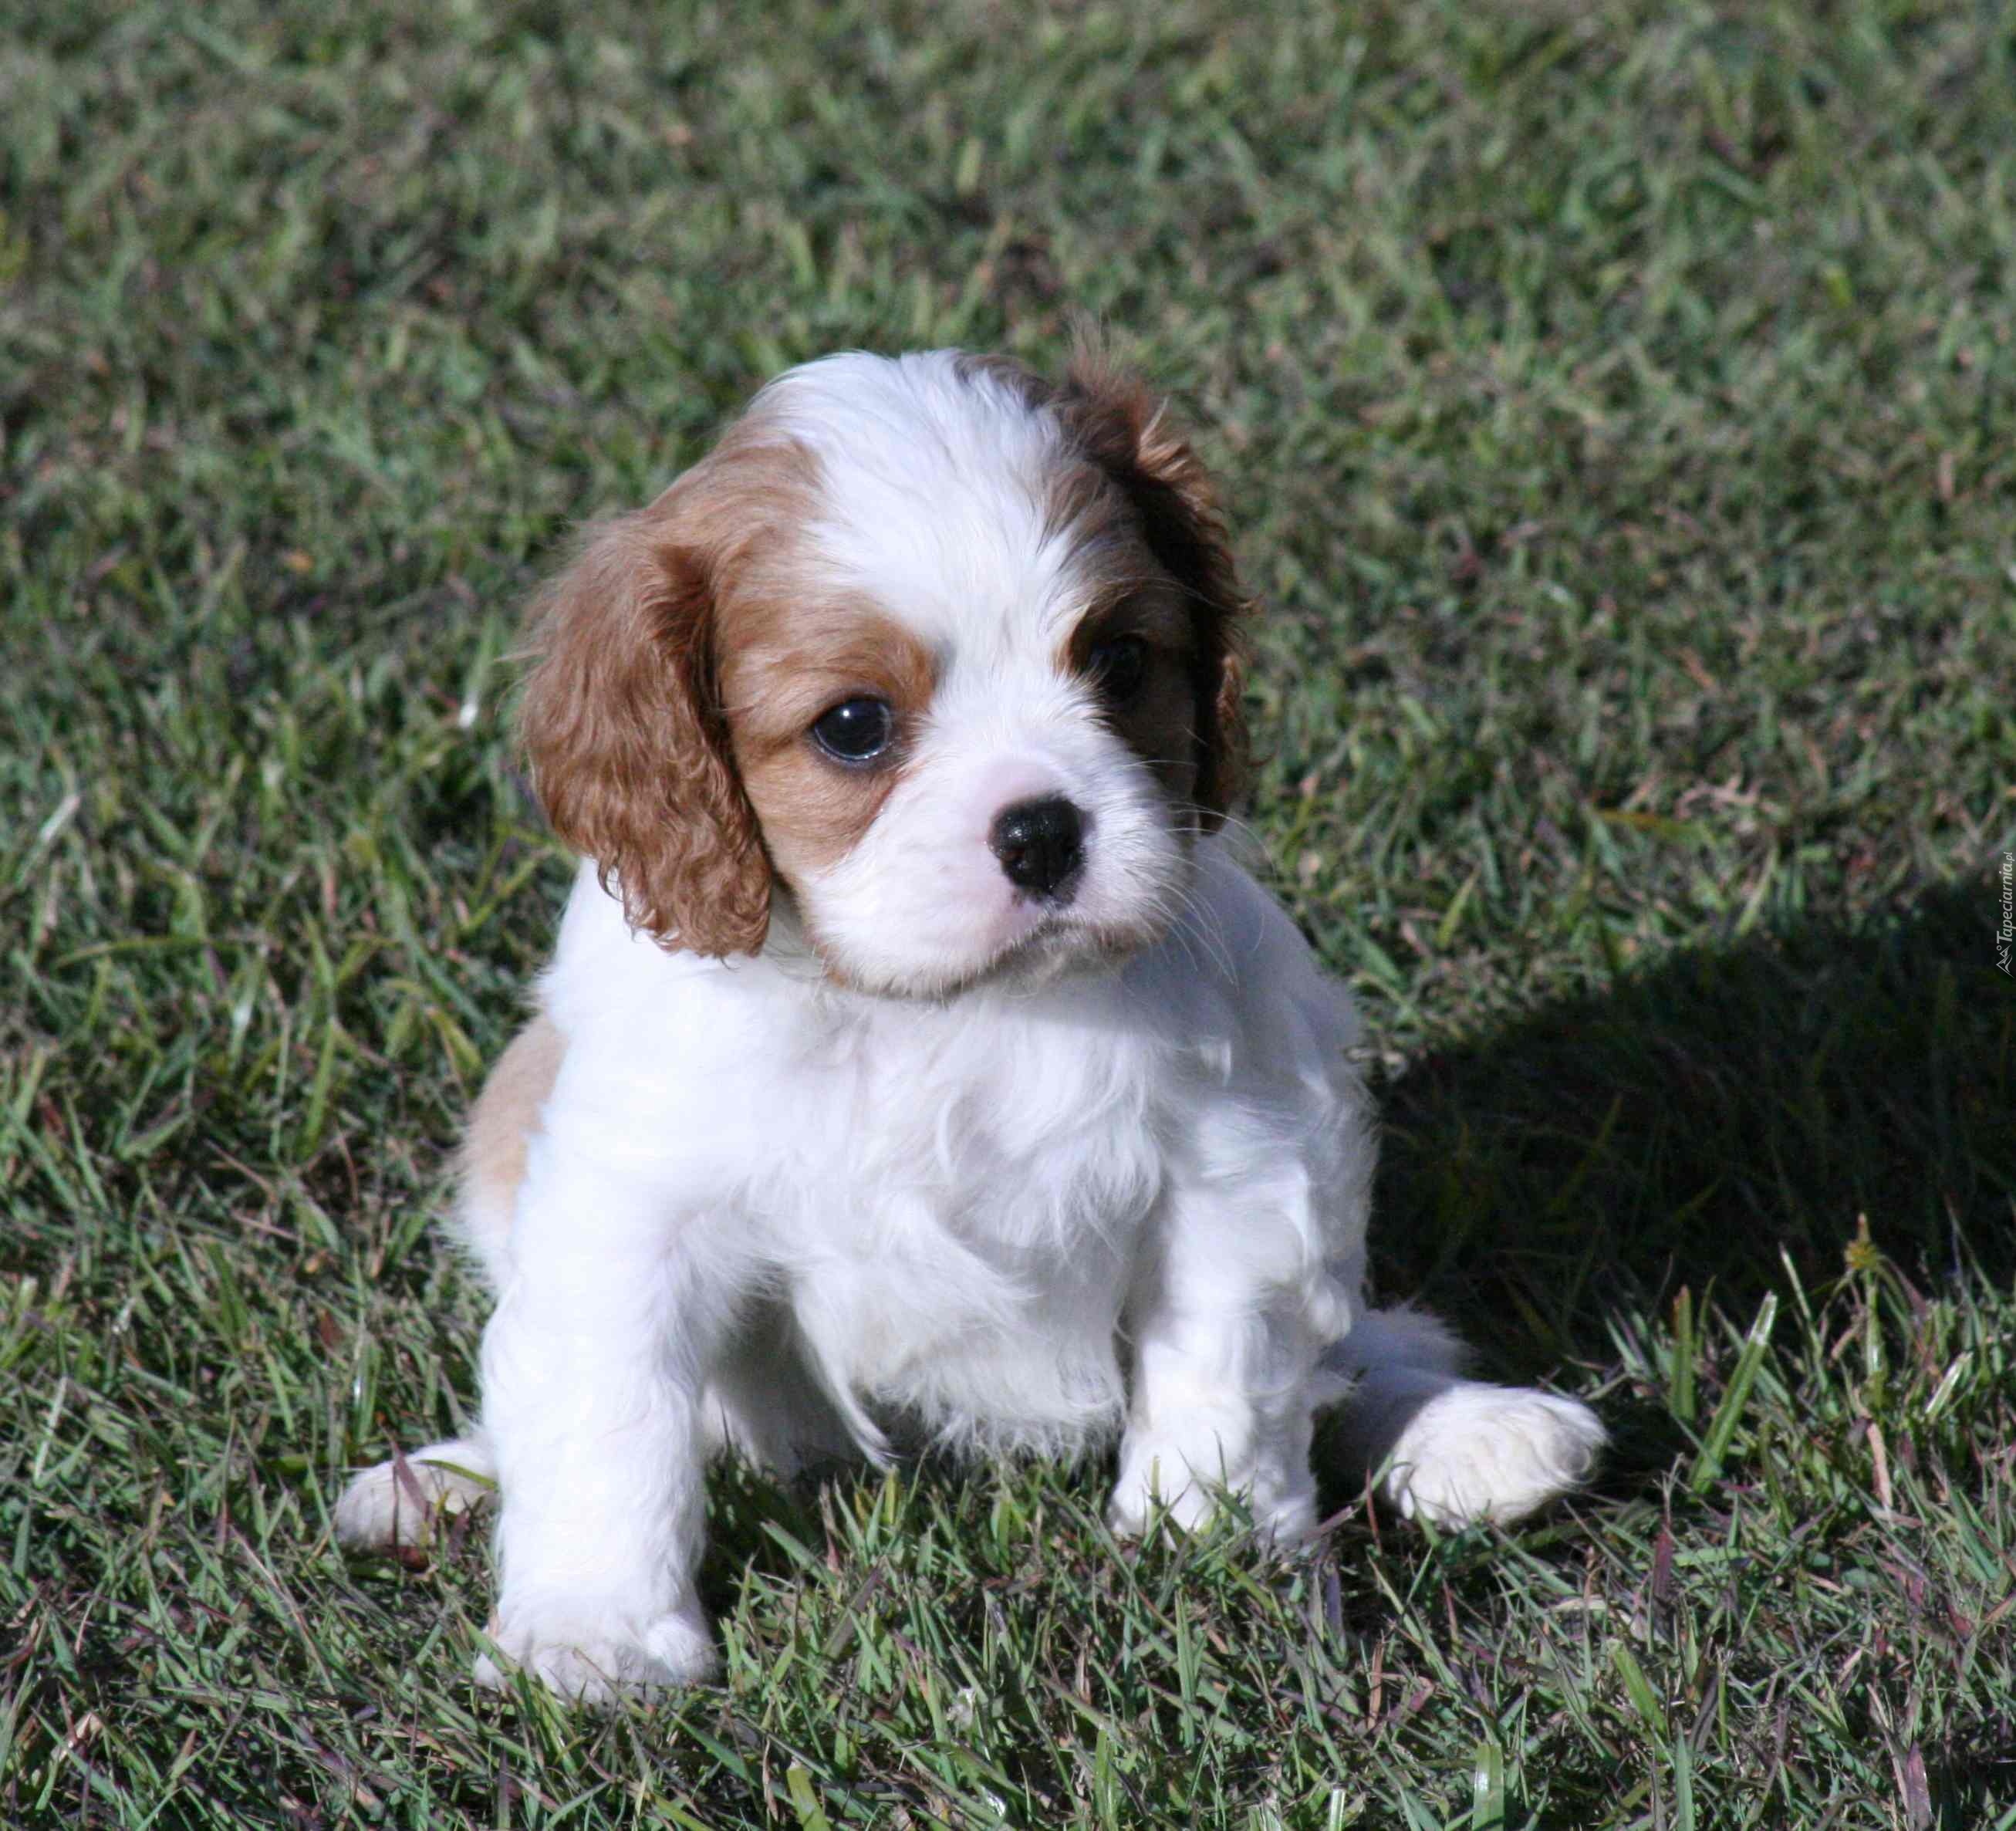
1039, 844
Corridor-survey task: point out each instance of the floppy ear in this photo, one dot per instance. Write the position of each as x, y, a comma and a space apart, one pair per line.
1127, 431
628, 747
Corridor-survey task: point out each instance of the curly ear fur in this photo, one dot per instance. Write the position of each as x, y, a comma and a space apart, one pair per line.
628, 747
1125, 428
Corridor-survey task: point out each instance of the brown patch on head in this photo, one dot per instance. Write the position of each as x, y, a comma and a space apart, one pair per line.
785, 661
623, 722
1140, 491
1156, 715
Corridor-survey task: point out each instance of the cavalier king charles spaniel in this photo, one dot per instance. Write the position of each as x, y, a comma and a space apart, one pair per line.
918, 1066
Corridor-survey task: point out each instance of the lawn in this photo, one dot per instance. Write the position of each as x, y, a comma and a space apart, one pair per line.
1616, 407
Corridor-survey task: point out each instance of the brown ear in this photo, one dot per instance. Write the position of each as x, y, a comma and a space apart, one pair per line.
628, 747
1125, 428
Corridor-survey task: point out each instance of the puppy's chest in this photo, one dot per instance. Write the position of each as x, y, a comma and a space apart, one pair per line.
1016, 1132
967, 1183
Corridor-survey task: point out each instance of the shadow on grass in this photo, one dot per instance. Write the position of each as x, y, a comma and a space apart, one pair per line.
1703, 1121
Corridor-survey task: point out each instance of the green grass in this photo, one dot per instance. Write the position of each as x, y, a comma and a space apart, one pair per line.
1617, 404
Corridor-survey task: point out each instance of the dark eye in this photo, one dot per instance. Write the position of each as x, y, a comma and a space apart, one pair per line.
856, 730
1118, 666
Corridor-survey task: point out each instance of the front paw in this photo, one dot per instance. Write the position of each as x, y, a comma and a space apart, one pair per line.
1484, 1452
597, 1660
1283, 1507
1144, 1497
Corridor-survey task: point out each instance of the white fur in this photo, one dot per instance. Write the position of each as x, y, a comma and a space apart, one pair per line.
401, 1502
1079, 1197
935, 482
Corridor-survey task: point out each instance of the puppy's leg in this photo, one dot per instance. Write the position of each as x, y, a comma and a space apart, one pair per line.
595, 1367
1453, 1450
389, 1506
1225, 1339
402, 1502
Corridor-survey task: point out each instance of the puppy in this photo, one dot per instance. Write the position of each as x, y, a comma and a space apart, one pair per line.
917, 1065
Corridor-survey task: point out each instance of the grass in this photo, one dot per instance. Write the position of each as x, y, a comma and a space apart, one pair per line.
1618, 406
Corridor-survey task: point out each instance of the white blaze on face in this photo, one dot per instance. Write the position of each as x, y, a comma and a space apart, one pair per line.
937, 505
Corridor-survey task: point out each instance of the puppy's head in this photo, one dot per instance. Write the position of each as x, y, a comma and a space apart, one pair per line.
939, 656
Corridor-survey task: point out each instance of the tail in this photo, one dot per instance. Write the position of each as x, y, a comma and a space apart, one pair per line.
1447, 1449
